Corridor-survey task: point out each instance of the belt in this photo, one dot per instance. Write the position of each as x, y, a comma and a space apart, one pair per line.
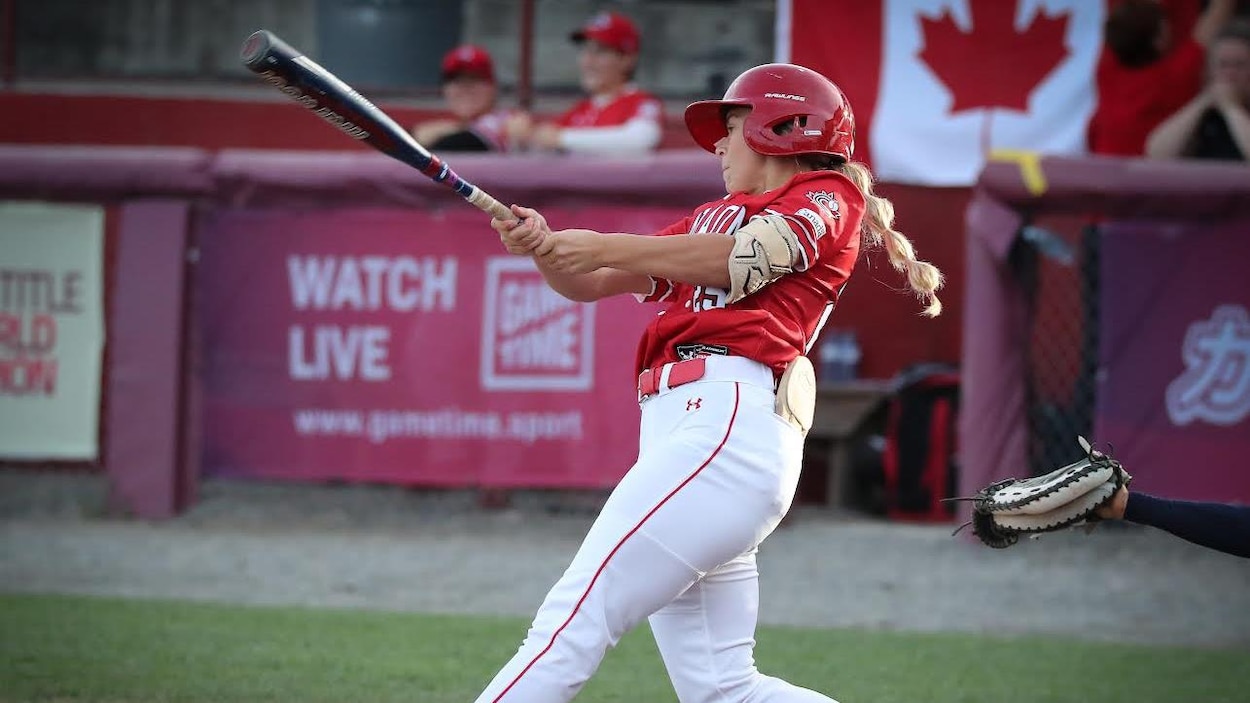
658, 379
679, 374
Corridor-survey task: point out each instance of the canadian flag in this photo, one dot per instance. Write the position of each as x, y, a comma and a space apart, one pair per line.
937, 85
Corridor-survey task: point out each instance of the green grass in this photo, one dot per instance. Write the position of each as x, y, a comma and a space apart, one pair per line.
56, 648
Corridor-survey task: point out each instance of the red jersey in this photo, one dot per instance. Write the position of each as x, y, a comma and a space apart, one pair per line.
1133, 101
629, 105
493, 127
781, 320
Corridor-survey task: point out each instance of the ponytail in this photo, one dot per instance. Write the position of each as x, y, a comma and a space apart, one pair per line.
923, 278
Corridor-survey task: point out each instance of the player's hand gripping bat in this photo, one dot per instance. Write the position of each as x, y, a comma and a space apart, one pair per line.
336, 102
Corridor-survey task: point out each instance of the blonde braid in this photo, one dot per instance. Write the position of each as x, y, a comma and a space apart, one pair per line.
878, 230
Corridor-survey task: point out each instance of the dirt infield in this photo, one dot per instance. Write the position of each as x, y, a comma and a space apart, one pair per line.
393, 549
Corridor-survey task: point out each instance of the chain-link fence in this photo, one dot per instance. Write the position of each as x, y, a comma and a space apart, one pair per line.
1059, 266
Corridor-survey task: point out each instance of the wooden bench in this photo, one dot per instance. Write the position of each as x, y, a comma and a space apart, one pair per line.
841, 411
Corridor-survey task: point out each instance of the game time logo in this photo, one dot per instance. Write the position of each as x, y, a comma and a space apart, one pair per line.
532, 337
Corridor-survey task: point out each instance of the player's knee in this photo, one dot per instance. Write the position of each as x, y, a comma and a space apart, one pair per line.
718, 687
578, 647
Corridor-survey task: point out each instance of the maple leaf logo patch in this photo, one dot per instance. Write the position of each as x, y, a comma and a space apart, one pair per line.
827, 202
992, 64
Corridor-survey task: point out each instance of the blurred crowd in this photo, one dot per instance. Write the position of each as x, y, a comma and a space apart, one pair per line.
614, 117
1173, 81
1171, 85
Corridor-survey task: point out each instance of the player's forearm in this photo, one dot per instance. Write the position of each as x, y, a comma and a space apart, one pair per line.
592, 286
434, 130
696, 259
1168, 140
1225, 528
635, 136
1212, 19
574, 286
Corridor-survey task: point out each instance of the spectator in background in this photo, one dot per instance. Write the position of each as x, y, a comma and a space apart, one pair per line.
1216, 124
617, 118
1149, 68
469, 91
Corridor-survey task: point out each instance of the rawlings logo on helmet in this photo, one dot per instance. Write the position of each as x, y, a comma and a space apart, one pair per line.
786, 96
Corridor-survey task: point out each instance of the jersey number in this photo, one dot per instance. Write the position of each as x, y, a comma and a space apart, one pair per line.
706, 298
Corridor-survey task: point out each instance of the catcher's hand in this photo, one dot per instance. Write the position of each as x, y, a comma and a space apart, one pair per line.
1064, 497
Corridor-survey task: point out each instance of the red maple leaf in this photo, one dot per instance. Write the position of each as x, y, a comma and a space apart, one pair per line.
993, 65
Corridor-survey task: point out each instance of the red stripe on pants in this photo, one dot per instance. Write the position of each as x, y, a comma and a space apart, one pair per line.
617, 548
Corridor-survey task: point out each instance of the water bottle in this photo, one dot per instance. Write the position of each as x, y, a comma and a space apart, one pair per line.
828, 358
833, 357
851, 355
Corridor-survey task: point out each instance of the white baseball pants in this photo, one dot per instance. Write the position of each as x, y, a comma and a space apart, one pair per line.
675, 543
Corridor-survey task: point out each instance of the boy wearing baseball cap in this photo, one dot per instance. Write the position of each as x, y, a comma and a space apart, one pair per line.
617, 117
469, 92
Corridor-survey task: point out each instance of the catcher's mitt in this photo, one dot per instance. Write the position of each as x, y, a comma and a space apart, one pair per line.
1004, 510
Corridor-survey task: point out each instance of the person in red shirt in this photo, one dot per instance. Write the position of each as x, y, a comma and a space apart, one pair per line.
1148, 69
470, 93
724, 385
617, 117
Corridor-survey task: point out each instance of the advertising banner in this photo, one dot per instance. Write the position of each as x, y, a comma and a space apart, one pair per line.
407, 346
1174, 391
51, 330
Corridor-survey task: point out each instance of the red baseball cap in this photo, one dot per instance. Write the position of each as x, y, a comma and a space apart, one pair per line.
611, 29
470, 60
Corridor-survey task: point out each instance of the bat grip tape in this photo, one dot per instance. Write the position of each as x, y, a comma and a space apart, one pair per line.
483, 200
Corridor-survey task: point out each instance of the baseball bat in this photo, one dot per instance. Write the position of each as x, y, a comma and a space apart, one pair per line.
310, 85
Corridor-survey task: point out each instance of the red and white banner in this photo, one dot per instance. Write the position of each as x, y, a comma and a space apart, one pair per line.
936, 85
51, 330
408, 347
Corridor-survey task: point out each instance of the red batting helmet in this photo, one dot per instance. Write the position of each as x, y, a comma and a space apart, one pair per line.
778, 93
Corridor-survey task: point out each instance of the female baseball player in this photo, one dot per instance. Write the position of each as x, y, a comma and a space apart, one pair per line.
725, 391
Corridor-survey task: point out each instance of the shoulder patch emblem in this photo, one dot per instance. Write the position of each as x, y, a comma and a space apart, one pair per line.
825, 201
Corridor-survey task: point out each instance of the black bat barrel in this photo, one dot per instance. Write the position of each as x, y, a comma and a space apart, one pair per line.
261, 45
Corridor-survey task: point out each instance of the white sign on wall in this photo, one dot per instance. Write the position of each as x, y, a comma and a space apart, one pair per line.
51, 330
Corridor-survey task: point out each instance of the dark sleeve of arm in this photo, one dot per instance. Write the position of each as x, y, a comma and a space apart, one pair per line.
1225, 528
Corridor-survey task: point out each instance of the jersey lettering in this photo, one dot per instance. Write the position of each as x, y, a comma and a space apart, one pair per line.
817, 223
720, 219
